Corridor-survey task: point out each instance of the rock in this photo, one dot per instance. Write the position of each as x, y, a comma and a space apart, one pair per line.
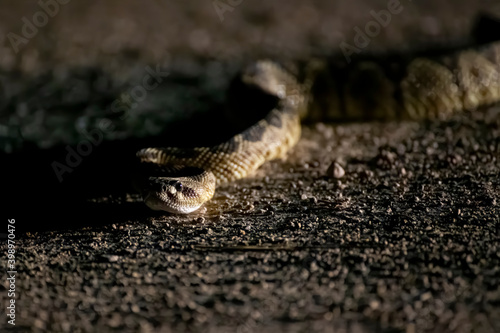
335, 170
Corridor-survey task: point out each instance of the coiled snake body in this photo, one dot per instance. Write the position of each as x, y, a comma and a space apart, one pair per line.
422, 88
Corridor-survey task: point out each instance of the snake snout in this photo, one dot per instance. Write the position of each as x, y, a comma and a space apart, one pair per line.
156, 185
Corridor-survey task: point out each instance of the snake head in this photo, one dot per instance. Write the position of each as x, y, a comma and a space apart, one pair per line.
179, 195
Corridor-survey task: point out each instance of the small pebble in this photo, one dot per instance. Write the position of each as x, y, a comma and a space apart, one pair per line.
335, 170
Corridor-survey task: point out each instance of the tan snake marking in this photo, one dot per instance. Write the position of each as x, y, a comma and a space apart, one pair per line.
423, 88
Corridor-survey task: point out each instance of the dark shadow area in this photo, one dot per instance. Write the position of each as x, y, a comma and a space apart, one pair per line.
49, 187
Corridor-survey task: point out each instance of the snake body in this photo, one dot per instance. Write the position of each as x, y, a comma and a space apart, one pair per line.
268, 139
423, 88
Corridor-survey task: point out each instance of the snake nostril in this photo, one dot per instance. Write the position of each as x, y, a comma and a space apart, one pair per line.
164, 188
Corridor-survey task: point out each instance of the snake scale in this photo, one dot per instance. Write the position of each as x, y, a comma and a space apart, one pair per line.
421, 88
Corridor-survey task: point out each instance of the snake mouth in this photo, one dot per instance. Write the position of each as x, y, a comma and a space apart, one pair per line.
153, 200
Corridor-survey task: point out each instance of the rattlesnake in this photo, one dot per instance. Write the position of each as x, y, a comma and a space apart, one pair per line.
422, 88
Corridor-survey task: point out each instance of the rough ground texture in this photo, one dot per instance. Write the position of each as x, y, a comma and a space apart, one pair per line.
401, 236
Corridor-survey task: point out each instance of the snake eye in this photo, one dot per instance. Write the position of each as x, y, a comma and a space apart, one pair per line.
178, 187
164, 188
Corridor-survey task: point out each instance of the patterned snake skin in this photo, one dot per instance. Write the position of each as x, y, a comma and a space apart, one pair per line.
422, 88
